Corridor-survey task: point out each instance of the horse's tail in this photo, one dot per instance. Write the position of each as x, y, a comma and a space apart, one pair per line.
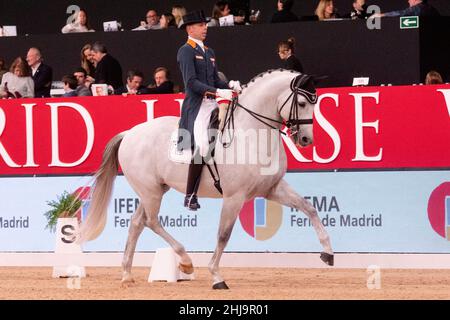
102, 190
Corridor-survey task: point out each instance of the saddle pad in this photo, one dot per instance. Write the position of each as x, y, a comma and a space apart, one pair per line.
176, 155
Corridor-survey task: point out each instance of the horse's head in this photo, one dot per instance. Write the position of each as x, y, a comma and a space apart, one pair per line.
296, 107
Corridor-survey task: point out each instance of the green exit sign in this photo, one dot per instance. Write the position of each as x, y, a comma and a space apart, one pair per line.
409, 22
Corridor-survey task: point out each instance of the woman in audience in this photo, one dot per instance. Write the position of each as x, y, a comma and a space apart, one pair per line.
286, 51
433, 77
222, 9
87, 59
80, 25
17, 83
167, 20
178, 12
325, 10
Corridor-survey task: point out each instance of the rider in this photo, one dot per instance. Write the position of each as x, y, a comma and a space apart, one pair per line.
202, 84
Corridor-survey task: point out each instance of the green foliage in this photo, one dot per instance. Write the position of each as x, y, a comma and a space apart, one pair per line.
66, 206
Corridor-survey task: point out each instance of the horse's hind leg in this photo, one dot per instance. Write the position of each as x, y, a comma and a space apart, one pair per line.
136, 227
285, 195
230, 211
152, 206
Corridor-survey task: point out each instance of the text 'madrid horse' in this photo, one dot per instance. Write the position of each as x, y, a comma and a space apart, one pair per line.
271, 100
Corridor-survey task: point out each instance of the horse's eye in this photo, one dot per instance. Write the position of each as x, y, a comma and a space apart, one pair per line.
302, 104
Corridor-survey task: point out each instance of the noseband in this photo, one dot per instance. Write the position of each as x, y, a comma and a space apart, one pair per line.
300, 85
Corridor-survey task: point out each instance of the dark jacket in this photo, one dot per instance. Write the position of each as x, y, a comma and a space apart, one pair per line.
292, 63
72, 93
165, 87
124, 89
109, 71
199, 71
421, 9
42, 81
283, 16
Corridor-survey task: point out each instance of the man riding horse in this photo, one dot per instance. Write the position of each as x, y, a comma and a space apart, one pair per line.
202, 84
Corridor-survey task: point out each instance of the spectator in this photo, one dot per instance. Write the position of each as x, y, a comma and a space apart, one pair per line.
325, 10
3, 69
80, 24
433, 77
83, 83
222, 9
42, 74
162, 82
151, 23
359, 10
167, 20
17, 83
87, 59
70, 86
284, 13
108, 69
134, 84
178, 12
286, 50
416, 8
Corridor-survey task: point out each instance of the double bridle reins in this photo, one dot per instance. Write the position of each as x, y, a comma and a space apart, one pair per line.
293, 123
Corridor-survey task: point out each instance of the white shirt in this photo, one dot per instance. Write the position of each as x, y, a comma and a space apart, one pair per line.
34, 69
199, 42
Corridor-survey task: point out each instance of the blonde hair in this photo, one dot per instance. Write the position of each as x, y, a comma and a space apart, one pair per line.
433, 77
320, 10
178, 13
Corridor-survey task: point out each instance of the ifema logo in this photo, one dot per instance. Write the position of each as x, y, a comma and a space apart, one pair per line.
261, 218
84, 194
439, 210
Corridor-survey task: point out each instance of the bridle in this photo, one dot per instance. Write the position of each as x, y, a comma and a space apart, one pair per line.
298, 87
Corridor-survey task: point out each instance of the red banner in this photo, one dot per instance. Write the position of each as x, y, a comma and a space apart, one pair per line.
355, 128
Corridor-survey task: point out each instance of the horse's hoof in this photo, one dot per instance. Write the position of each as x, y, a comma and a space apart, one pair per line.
220, 286
327, 258
186, 268
126, 283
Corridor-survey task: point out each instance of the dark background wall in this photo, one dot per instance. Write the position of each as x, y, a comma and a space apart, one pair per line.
49, 16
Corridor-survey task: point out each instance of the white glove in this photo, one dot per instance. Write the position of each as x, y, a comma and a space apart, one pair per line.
224, 94
235, 85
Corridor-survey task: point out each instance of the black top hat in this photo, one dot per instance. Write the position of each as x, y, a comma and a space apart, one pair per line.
194, 17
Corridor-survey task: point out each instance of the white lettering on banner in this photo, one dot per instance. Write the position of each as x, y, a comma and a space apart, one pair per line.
359, 126
56, 162
3, 151
328, 128
150, 108
180, 102
29, 133
446, 93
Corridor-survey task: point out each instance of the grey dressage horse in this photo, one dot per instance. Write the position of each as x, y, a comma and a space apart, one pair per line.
268, 102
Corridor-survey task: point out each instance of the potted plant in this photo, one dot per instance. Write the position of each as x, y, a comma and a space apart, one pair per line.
67, 205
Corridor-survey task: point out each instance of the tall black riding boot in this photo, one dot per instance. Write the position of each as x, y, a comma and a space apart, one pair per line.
193, 182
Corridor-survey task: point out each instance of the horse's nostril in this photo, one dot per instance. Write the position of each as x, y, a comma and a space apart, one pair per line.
305, 139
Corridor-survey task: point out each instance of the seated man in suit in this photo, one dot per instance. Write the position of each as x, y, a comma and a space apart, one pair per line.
41, 73
83, 83
134, 84
70, 86
162, 83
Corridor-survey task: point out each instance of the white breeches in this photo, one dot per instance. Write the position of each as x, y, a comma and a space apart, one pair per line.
201, 125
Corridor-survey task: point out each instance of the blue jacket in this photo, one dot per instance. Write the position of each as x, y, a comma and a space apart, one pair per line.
199, 71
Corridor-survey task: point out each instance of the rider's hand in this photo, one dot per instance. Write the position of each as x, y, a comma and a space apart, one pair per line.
225, 94
235, 85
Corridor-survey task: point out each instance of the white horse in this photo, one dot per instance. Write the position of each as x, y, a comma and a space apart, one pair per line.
264, 103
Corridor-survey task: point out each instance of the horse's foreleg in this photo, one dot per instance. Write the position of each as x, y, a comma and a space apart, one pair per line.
152, 221
230, 211
136, 227
285, 195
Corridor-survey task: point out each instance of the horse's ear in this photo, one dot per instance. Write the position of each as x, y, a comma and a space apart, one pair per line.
318, 79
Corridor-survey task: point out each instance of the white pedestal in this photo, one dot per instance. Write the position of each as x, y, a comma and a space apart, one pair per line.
165, 267
65, 250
